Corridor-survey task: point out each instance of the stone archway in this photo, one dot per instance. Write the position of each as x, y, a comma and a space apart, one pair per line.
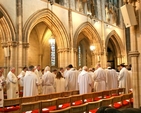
52, 24
7, 39
115, 49
87, 32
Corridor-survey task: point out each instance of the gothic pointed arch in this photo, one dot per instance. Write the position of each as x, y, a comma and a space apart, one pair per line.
119, 47
53, 23
7, 30
88, 30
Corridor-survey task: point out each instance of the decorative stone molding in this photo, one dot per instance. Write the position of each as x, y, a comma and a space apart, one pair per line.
63, 50
133, 53
25, 45
13, 43
4, 44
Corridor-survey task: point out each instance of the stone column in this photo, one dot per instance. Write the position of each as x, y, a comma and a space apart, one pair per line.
5, 46
64, 57
135, 72
13, 55
19, 22
25, 54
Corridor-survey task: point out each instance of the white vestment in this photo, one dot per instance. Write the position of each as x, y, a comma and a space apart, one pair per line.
85, 82
72, 78
111, 79
99, 80
20, 77
124, 79
30, 82
60, 85
12, 86
48, 82
39, 76
2, 79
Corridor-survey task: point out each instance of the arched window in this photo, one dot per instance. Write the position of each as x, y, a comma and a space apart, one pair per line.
79, 56
52, 51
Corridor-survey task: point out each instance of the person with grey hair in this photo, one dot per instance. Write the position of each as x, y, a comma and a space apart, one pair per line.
111, 77
85, 81
12, 84
30, 83
99, 78
48, 81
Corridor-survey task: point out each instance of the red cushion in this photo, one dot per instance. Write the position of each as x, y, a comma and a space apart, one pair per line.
35, 111
88, 100
93, 111
46, 110
97, 98
65, 106
125, 102
77, 103
117, 105
11, 108
107, 96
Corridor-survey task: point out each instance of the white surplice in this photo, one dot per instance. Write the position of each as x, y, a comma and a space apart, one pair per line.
48, 82
60, 85
20, 77
72, 78
12, 86
99, 80
85, 82
30, 82
124, 79
111, 79
39, 76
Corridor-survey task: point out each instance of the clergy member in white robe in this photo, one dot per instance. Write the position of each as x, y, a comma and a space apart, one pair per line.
48, 81
39, 76
124, 78
21, 75
99, 79
85, 81
60, 83
12, 84
111, 77
72, 78
2, 83
30, 83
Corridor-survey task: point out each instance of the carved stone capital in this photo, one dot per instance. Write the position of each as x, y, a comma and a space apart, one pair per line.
63, 50
25, 45
133, 53
4, 44
13, 43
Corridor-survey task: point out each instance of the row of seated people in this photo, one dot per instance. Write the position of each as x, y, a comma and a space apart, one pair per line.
64, 97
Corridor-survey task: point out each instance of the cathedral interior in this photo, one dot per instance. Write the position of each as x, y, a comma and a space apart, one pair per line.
61, 32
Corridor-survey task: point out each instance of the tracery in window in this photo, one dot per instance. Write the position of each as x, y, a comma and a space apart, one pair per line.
52, 52
79, 56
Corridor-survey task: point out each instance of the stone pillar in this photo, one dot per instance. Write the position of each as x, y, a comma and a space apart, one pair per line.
19, 22
134, 61
5, 46
64, 57
73, 57
13, 55
25, 53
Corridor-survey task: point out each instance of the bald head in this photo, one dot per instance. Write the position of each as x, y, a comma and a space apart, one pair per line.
85, 68
98, 65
